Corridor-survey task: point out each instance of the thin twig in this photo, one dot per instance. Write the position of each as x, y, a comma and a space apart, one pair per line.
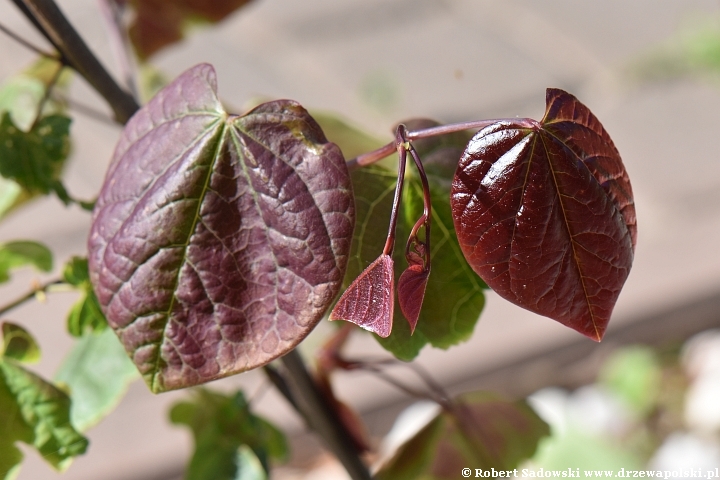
426, 395
428, 379
26, 44
71, 46
30, 295
38, 26
85, 109
435, 391
376, 155
400, 146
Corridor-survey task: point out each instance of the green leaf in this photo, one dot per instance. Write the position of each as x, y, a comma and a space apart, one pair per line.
454, 295
86, 314
481, 429
20, 97
35, 412
22, 253
635, 375
75, 271
13, 429
221, 425
34, 159
18, 344
21, 94
97, 372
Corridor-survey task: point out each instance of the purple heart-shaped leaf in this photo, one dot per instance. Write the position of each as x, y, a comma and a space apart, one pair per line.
544, 214
369, 301
218, 241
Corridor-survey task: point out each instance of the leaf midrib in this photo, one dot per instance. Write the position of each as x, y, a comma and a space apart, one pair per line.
154, 384
576, 260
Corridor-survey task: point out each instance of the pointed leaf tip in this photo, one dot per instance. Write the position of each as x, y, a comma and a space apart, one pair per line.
546, 216
411, 293
369, 301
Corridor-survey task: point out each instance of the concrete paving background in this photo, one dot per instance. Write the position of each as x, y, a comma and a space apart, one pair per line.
376, 62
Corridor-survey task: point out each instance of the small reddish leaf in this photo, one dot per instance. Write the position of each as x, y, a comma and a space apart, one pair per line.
454, 296
544, 213
411, 292
218, 241
369, 301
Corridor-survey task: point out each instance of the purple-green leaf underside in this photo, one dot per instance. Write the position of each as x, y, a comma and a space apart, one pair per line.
218, 241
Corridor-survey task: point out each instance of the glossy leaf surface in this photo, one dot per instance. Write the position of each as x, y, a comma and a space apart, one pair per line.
222, 425
545, 215
159, 23
218, 241
454, 295
483, 430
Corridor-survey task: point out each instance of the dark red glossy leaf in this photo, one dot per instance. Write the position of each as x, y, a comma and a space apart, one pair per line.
218, 241
159, 23
369, 301
411, 292
544, 213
